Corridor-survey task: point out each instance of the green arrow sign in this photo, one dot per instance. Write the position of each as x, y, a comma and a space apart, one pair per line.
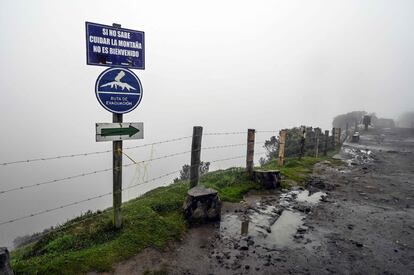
130, 131
119, 131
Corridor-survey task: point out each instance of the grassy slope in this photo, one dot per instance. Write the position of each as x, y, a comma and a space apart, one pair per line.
231, 183
298, 171
150, 220
89, 242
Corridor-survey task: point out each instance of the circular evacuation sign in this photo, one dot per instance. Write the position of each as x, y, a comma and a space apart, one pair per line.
118, 90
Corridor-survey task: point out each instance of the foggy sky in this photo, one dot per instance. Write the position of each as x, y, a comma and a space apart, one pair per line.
224, 65
220, 64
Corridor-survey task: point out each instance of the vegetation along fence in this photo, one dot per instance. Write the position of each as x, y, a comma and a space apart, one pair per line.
295, 142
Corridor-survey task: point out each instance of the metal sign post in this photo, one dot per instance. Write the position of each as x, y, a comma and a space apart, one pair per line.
117, 132
117, 168
117, 175
118, 90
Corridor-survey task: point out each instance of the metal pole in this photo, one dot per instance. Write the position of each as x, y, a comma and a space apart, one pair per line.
117, 175
117, 170
195, 156
250, 150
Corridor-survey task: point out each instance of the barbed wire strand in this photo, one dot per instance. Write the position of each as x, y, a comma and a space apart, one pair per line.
126, 148
224, 133
53, 181
230, 145
86, 174
110, 209
105, 194
68, 223
157, 143
82, 201
237, 157
267, 131
109, 169
91, 153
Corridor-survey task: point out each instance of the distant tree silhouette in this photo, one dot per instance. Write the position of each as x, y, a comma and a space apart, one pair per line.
185, 171
351, 118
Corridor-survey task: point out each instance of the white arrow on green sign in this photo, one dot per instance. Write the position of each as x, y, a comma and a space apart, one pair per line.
119, 131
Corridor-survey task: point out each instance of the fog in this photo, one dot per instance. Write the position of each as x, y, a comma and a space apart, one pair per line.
224, 65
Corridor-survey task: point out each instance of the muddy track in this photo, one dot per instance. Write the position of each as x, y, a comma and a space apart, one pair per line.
354, 219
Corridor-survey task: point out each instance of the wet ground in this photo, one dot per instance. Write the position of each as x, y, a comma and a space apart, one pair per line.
353, 219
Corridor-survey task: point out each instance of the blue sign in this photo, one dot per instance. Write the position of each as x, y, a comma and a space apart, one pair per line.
118, 90
114, 47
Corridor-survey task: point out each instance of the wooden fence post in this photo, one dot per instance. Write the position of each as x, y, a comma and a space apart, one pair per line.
317, 134
195, 156
250, 151
333, 137
5, 267
347, 131
302, 142
325, 148
337, 137
282, 142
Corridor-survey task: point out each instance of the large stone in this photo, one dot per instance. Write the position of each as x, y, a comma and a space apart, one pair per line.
5, 268
202, 205
268, 179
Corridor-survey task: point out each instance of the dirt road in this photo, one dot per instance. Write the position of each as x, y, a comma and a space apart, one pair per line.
354, 219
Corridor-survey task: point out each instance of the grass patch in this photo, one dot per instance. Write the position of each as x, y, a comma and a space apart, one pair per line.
231, 184
90, 243
299, 171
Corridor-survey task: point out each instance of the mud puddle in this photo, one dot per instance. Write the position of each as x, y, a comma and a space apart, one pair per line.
302, 196
274, 222
285, 228
357, 156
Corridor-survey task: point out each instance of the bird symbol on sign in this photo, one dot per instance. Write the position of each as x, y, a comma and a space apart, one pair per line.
117, 83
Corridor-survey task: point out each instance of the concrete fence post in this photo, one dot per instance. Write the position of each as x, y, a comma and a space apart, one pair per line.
250, 151
195, 156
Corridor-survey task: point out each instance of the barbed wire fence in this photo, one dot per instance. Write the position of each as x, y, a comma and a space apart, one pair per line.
134, 163
143, 165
